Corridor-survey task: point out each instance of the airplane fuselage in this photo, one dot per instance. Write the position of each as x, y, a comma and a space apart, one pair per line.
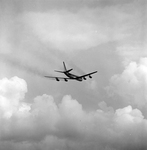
72, 76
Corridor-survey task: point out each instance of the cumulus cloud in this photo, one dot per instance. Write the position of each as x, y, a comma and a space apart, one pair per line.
131, 84
11, 92
44, 124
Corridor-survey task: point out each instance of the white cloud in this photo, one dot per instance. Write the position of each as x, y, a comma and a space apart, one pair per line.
47, 125
84, 29
131, 84
11, 92
63, 30
133, 47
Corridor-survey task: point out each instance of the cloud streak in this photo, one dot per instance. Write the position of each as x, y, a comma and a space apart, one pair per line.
83, 30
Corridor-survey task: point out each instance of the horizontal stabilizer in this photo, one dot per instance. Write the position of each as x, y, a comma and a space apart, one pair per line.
59, 71
69, 70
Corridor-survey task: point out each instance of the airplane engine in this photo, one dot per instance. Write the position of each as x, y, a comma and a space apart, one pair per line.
84, 78
66, 80
90, 76
57, 79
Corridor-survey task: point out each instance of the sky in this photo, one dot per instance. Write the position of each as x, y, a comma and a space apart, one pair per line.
107, 112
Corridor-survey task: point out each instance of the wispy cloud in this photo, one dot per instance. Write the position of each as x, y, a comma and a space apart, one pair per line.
83, 30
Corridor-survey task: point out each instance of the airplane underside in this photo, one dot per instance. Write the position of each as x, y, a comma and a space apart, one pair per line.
70, 76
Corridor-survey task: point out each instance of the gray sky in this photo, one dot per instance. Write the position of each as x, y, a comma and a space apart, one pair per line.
107, 112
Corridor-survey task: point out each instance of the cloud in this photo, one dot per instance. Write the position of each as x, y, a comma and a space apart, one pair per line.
15, 42
133, 47
44, 124
63, 29
30, 40
131, 84
11, 92
84, 29
39, 35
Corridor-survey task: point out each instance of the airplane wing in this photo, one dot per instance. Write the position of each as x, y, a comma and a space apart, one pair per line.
59, 78
79, 78
88, 74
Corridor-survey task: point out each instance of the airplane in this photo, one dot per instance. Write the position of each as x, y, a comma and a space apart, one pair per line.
70, 76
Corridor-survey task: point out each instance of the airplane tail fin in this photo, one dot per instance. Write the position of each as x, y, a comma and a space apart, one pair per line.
65, 69
64, 66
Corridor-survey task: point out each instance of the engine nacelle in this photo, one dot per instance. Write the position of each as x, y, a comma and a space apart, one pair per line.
66, 80
90, 76
84, 78
57, 79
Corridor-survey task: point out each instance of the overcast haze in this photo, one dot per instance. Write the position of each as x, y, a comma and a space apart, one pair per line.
107, 112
